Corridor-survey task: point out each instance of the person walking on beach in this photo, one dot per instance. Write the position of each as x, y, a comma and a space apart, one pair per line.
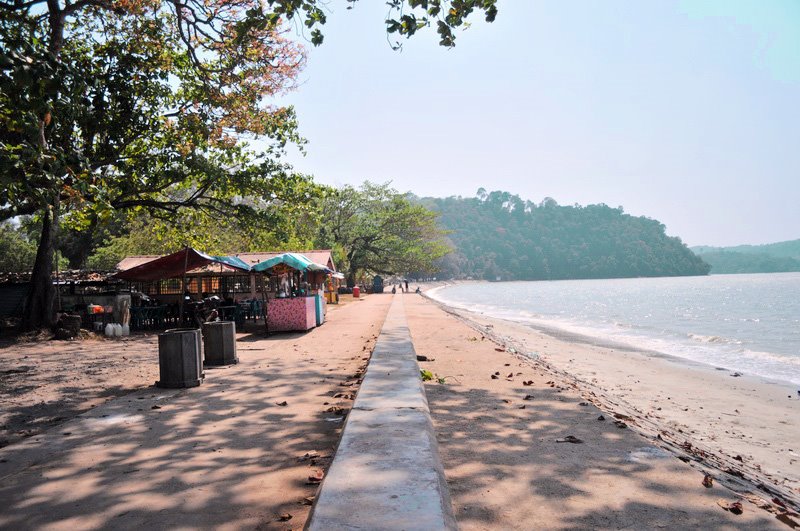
406, 285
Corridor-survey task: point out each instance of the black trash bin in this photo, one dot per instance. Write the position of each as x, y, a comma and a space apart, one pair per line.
180, 358
219, 343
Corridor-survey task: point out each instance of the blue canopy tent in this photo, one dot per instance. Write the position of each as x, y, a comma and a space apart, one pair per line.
294, 260
277, 266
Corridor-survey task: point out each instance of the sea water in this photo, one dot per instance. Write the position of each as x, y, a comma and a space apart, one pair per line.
745, 323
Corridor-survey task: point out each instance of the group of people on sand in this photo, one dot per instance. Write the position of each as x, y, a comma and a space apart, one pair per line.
400, 287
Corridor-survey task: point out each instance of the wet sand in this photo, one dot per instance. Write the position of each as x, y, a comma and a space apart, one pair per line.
510, 463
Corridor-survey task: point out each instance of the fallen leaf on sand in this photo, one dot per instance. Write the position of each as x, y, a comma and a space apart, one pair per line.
423, 358
315, 478
528, 397
708, 481
155, 407
527, 382
619, 424
506, 401
498, 349
735, 507
583, 404
601, 417
508, 365
510, 375
570, 439
282, 404
285, 517
308, 500
495, 377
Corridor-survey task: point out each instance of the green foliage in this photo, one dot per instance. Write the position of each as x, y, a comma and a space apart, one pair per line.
498, 234
378, 230
426, 375
17, 252
768, 258
731, 262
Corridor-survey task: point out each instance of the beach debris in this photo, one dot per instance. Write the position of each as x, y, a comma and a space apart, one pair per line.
498, 349
708, 481
315, 478
583, 403
420, 357
285, 517
495, 377
155, 407
308, 500
308, 455
569, 439
282, 404
507, 365
736, 374
601, 417
528, 397
732, 507
506, 400
619, 424
426, 375
335, 409
510, 375
527, 382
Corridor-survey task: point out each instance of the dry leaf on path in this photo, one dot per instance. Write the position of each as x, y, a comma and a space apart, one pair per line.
735, 507
708, 481
569, 439
315, 478
282, 404
285, 517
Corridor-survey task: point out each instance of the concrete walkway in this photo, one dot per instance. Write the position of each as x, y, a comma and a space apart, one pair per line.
386, 473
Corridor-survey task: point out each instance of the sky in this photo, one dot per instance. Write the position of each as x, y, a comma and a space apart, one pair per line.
685, 112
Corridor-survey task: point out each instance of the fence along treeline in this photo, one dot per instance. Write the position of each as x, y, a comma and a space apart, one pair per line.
499, 235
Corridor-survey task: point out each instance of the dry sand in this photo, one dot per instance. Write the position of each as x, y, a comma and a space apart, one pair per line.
507, 468
226, 455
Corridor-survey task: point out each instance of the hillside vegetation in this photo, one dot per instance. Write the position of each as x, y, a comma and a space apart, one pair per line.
499, 235
769, 258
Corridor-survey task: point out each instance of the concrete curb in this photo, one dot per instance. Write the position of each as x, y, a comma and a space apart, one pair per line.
386, 473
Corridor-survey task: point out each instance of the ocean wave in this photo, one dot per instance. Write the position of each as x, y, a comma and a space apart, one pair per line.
713, 339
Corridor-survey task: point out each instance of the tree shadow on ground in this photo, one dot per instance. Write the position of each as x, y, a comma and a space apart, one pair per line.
227, 453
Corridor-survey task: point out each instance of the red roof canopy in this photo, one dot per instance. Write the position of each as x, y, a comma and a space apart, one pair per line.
173, 266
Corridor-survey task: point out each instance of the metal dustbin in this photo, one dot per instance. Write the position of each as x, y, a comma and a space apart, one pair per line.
180, 358
219, 342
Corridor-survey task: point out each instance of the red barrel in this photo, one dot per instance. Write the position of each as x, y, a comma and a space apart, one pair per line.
356, 292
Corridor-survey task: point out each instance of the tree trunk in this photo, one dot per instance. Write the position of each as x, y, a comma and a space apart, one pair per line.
38, 309
351, 278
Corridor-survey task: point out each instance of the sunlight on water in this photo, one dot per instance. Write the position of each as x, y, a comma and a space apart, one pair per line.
749, 323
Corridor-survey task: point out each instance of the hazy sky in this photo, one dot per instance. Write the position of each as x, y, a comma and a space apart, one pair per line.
687, 112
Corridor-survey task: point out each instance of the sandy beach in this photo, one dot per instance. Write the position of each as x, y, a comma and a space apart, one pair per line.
91, 444
543, 431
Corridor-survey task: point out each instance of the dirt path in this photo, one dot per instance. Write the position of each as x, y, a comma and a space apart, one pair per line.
235, 453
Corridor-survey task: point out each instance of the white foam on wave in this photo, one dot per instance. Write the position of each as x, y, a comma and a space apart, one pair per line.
710, 350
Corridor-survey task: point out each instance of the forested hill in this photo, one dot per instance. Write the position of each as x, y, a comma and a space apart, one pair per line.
768, 258
499, 235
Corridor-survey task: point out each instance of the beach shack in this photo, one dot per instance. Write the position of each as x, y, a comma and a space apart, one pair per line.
167, 281
294, 298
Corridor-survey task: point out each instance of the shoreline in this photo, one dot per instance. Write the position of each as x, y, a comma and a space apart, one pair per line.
742, 428
571, 336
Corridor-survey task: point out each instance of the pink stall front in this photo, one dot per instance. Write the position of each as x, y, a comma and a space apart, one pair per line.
294, 294
291, 313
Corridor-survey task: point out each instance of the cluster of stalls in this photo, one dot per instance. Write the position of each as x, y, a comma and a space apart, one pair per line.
289, 291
